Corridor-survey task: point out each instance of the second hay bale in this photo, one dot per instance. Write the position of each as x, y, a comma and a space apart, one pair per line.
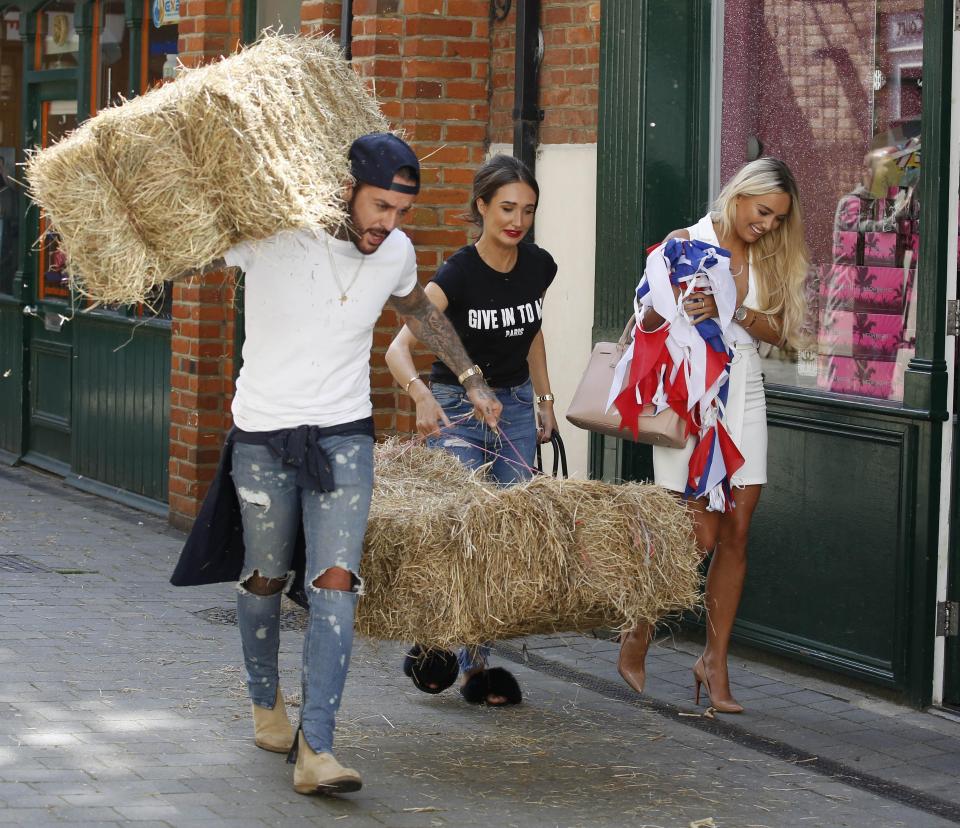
451, 558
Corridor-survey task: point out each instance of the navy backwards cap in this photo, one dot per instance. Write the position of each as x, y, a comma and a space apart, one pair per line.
376, 158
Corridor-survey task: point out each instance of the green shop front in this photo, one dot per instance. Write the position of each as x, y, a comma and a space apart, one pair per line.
853, 562
84, 391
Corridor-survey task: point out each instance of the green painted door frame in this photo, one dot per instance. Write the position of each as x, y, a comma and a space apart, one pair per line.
652, 168
868, 570
94, 395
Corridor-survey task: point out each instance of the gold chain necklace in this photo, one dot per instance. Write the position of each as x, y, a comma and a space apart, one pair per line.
336, 271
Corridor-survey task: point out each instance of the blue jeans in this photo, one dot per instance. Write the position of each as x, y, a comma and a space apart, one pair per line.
334, 523
473, 443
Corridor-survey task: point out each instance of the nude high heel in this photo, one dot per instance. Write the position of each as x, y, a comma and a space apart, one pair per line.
700, 677
633, 656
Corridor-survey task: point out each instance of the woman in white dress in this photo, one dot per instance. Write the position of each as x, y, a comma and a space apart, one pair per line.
757, 219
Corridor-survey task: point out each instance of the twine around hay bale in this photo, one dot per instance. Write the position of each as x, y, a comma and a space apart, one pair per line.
236, 150
450, 558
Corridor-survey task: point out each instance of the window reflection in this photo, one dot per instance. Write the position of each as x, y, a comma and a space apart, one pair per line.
57, 119
11, 84
835, 90
112, 73
58, 44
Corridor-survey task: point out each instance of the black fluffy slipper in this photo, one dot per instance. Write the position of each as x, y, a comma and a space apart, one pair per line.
493, 682
432, 671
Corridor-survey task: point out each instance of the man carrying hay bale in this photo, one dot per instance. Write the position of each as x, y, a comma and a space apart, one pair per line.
301, 453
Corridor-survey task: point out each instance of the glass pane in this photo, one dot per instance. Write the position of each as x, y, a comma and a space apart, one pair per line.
58, 44
112, 69
834, 90
57, 119
161, 42
11, 96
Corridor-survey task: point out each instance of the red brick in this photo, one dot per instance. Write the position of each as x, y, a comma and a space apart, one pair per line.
441, 111
464, 132
439, 26
423, 47
448, 238
466, 89
426, 132
556, 15
411, 7
445, 196
420, 68
469, 8
467, 49
458, 175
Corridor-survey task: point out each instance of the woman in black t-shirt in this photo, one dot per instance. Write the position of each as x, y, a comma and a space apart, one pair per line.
492, 292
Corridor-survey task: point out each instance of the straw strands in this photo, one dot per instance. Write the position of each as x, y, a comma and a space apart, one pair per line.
236, 150
451, 558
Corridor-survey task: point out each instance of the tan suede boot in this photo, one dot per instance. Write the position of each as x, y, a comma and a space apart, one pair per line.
320, 773
271, 728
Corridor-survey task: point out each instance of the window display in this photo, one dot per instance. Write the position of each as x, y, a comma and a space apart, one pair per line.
112, 67
11, 86
58, 43
834, 89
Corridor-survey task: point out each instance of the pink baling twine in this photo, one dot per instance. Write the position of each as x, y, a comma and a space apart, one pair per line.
496, 455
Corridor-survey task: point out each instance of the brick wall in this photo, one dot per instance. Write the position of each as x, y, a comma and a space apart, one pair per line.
569, 73
429, 61
201, 379
208, 29
320, 16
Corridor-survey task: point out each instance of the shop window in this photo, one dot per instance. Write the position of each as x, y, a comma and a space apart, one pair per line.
111, 69
834, 89
57, 119
279, 14
58, 44
11, 86
160, 47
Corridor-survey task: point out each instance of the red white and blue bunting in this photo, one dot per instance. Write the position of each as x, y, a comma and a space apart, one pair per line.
685, 366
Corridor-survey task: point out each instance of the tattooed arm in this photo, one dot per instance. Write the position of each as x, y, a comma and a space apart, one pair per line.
426, 322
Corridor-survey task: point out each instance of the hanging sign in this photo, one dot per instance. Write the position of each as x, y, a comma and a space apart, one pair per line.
166, 12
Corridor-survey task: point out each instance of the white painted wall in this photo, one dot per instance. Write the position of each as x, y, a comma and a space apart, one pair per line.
566, 227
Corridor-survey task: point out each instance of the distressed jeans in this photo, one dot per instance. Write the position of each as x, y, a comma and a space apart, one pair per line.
334, 523
473, 443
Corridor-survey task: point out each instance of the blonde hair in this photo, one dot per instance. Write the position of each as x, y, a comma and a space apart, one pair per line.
781, 259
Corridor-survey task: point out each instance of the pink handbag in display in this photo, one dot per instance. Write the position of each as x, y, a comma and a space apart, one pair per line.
586, 408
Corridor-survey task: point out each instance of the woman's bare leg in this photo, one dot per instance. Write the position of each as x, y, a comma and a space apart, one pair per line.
725, 579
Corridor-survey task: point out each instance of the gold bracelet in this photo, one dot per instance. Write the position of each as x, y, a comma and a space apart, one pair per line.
542, 398
410, 382
472, 371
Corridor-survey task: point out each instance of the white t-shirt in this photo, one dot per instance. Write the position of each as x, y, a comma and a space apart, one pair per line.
306, 356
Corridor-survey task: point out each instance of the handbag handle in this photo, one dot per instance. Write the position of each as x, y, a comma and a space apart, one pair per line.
559, 456
624, 339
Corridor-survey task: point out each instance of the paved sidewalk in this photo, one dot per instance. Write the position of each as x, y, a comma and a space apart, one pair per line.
121, 703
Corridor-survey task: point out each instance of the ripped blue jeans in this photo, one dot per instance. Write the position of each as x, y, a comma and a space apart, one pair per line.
334, 523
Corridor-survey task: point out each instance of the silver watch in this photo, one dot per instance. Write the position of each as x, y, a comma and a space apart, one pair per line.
740, 314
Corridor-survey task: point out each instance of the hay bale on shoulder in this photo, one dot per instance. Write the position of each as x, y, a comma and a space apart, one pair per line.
451, 558
236, 150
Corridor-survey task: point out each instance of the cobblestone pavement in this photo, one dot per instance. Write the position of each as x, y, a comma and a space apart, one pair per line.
120, 704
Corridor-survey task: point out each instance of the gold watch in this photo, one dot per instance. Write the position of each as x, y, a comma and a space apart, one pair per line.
472, 371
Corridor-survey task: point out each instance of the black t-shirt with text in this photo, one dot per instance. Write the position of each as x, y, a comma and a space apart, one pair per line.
496, 315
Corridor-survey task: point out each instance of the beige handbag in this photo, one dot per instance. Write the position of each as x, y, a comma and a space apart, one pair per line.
586, 408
